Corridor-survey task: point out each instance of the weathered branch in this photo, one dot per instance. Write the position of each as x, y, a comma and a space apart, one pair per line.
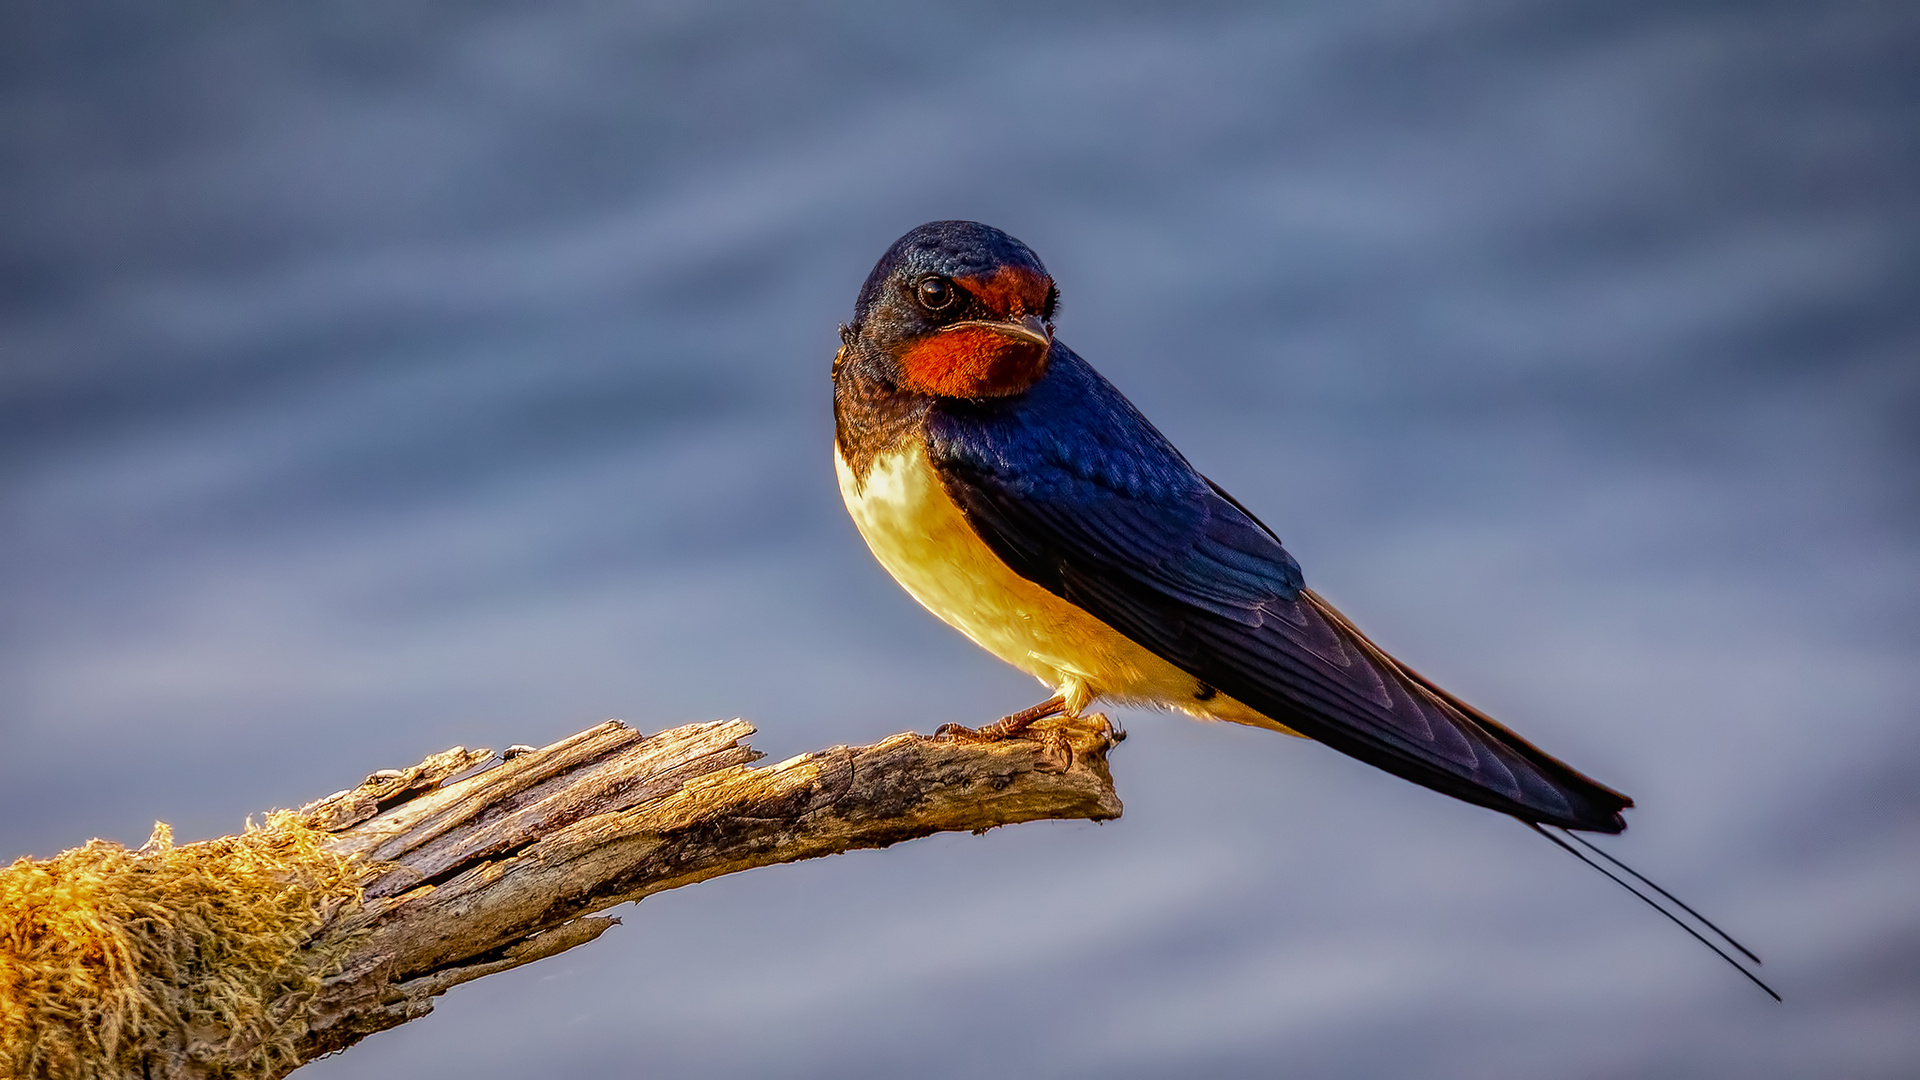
467, 873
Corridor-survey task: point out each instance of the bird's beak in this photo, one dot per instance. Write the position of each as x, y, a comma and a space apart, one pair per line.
1029, 329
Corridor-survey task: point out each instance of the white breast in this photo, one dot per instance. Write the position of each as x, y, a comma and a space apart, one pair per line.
923, 540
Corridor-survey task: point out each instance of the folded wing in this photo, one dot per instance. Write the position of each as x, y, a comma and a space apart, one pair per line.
1183, 570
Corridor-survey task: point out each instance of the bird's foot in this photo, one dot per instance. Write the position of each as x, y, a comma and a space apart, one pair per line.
1007, 727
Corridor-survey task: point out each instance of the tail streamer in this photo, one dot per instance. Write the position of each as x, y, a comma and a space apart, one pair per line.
1656, 905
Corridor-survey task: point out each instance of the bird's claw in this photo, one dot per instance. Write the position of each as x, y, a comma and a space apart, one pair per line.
1007, 727
993, 732
1056, 751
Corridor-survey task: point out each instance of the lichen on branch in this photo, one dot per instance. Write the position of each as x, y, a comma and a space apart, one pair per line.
107, 954
251, 954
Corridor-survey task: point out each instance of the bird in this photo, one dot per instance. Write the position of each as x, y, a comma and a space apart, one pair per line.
1021, 498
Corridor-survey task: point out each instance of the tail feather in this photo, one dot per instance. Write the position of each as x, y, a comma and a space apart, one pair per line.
1655, 905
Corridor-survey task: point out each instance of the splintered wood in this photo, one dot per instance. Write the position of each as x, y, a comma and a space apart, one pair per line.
472, 874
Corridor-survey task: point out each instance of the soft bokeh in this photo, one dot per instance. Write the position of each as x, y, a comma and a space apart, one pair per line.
376, 377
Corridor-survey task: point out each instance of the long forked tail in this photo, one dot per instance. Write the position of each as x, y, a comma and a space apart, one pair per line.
1556, 838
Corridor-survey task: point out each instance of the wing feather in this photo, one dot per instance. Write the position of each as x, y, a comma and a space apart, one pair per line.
1171, 561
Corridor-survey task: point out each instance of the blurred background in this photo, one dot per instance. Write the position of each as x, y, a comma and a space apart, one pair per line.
376, 377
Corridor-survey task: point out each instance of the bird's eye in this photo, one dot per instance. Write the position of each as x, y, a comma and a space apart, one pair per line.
936, 293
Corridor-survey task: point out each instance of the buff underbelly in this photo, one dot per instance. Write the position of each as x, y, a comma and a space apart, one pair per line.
920, 536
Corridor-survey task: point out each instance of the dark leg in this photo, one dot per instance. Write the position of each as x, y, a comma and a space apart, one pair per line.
1007, 727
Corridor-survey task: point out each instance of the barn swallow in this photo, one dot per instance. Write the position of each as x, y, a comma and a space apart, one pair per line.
1018, 496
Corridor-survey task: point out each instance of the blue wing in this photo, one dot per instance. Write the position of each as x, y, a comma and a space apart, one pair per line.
1078, 493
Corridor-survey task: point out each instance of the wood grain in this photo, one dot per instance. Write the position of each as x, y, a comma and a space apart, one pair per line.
473, 870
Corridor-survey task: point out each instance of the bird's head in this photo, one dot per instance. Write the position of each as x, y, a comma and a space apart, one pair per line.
957, 309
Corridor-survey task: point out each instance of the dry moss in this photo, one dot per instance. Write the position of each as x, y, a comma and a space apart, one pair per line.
107, 954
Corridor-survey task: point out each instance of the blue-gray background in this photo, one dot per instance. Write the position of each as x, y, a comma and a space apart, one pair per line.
379, 377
